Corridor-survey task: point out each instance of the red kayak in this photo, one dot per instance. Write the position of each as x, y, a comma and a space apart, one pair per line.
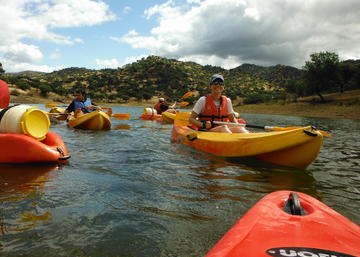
4, 94
20, 148
288, 223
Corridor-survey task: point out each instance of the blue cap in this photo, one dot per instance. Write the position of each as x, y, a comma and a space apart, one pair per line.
216, 77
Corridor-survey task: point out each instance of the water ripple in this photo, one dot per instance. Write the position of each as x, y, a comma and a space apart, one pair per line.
131, 192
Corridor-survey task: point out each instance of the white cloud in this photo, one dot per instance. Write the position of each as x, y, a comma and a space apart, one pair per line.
107, 63
36, 19
78, 40
20, 52
55, 55
127, 9
69, 13
227, 63
253, 31
193, 1
11, 66
114, 63
252, 13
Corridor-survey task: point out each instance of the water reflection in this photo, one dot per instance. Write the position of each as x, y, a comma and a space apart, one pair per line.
24, 177
231, 180
19, 183
121, 127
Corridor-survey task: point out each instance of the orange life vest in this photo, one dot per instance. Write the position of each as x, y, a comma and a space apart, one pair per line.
214, 113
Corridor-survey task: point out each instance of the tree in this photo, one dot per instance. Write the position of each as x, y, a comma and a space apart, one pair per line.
350, 74
322, 73
1, 69
296, 87
44, 89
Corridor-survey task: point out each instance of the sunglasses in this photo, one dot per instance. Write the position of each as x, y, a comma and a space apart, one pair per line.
217, 82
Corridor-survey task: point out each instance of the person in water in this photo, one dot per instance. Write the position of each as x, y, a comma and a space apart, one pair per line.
163, 106
215, 107
81, 104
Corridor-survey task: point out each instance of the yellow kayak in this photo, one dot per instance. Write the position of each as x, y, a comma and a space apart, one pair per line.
96, 120
297, 147
57, 110
168, 117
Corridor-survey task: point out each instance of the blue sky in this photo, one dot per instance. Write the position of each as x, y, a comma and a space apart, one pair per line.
47, 35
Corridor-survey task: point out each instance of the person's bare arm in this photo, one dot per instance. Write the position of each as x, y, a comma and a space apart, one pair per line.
198, 123
232, 118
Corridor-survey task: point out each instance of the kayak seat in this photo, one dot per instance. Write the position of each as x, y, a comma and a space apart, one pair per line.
293, 206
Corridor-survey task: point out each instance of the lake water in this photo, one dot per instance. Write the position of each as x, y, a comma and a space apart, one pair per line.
131, 192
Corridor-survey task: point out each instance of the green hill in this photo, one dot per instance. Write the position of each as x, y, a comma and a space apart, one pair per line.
155, 76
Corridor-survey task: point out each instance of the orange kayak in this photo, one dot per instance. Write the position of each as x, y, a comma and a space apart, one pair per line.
20, 148
287, 223
156, 117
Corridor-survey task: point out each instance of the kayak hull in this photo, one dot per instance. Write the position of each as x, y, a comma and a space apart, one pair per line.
156, 117
168, 117
20, 148
96, 120
267, 230
293, 148
57, 110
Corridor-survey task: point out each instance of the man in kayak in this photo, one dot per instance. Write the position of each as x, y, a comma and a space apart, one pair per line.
81, 104
163, 106
215, 107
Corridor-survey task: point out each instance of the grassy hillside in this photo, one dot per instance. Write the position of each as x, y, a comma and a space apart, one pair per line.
152, 77
142, 80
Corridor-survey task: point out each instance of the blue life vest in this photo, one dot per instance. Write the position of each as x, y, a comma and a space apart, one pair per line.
79, 104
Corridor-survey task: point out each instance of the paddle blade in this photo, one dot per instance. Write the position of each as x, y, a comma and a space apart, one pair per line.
182, 118
183, 104
121, 116
51, 105
186, 95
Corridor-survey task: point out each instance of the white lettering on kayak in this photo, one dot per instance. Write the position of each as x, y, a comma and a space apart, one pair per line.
304, 252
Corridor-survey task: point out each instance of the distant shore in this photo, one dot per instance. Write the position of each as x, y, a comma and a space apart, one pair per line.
326, 110
337, 110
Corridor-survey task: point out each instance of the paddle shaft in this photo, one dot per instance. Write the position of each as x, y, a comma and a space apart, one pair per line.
240, 124
55, 114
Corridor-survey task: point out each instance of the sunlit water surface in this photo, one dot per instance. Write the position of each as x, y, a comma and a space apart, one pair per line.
131, 192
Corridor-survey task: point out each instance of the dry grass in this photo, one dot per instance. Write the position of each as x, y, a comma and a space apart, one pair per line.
329, 110
339, 105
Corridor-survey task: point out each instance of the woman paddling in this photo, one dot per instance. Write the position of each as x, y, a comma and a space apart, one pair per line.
215, 107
